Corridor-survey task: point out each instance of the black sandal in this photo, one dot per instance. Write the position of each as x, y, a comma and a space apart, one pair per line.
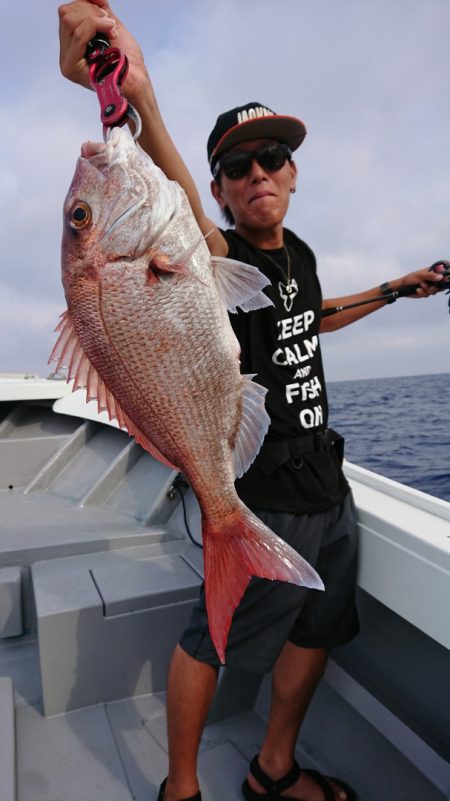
196, 797
275, 788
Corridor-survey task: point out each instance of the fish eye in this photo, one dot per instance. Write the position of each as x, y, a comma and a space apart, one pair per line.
80, 215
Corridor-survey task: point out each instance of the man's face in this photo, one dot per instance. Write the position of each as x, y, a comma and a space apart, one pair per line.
260, 199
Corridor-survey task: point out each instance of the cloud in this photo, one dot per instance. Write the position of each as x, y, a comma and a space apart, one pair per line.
27, 329
373, 201
37, 314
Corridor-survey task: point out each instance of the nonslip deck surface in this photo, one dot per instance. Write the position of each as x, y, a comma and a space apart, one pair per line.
76, 492
118, 751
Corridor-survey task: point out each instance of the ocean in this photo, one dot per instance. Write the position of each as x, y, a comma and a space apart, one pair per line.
399, 427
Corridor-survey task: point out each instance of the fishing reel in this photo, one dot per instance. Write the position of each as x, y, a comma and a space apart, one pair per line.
443, 268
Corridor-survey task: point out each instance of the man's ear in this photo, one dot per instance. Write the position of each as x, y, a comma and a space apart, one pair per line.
217, 194
294, 176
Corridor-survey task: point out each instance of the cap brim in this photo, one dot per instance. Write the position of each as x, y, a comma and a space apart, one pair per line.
290, 130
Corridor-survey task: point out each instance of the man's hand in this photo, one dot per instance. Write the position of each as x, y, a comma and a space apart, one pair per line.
430, 282
78, 23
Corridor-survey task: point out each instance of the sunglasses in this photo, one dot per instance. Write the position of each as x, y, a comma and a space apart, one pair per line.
270, 157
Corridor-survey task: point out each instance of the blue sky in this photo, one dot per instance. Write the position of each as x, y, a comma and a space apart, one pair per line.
371, 82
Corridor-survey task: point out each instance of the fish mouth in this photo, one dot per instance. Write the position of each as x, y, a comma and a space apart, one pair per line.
91, 149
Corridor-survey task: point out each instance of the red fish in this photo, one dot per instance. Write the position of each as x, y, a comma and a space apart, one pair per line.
147, 334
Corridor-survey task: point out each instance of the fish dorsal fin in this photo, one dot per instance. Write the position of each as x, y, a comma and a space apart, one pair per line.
239, 284
253, 425
68, 352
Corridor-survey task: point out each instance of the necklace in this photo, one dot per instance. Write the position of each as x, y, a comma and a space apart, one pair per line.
289, 290
291, 283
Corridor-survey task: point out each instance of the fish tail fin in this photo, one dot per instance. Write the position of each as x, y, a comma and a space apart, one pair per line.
237, 549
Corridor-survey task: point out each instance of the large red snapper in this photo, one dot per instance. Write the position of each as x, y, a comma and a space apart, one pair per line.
147, 333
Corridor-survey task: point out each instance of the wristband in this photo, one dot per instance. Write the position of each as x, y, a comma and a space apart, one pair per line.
386, 290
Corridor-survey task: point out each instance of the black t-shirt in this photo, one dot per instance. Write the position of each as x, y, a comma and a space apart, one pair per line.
281, 345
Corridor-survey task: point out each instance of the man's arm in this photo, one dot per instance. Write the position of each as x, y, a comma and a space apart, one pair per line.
429, 285
78, 23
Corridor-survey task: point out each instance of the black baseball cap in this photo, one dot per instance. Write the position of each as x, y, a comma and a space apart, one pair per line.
252, 121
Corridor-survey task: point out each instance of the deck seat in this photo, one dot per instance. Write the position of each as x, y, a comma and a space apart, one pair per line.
108, 622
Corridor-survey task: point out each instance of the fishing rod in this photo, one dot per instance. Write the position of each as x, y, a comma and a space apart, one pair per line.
442, 267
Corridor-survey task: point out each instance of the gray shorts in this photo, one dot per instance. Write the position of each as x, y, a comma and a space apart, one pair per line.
272, 612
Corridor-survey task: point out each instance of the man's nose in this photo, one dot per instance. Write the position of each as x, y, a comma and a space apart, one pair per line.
257, 173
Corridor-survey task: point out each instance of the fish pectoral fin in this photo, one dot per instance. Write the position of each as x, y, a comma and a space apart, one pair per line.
69, 353
161, 267
237, 549
253, 425
176, 262
239, 284
159, 263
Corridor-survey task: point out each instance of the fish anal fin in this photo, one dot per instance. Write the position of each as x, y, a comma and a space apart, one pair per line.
236, 549
69, 352
239, 284
253, 425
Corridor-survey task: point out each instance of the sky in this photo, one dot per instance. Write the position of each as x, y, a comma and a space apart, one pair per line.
369, 79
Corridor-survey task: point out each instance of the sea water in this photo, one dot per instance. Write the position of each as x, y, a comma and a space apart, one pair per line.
398, 427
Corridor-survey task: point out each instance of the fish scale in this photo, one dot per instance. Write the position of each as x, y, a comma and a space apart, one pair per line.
147, 333
154, 383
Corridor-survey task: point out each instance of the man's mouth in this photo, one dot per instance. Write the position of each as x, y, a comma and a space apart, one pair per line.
260, 196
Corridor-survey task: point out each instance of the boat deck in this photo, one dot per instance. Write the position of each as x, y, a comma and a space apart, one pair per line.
118, 750
99, 576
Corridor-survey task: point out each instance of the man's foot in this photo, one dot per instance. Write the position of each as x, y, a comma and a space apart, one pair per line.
296, 785
162, 792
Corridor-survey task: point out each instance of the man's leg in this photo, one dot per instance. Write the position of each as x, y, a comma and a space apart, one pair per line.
295, 677
191, 687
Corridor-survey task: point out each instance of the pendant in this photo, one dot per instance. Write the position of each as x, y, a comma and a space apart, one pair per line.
291, 287
288, 292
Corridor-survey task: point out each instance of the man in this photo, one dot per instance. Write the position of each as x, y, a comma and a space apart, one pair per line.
296, 484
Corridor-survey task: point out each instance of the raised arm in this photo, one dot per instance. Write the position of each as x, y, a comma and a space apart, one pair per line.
78, 23
430, 283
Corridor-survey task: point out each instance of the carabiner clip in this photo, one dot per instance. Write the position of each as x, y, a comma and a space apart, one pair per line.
106, 75
107, 71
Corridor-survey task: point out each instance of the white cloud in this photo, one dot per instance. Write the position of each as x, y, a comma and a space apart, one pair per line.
38, 315
27, 329
370, 81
